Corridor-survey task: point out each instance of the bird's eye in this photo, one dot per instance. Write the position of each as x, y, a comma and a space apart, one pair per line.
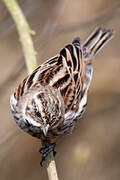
38, 114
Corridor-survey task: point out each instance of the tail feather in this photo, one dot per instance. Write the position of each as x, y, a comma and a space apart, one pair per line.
96, 41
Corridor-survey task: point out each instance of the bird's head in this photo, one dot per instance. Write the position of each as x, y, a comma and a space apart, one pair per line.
42, 108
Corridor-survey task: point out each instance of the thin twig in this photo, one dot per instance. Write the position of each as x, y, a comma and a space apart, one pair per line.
24, 33
6, 26
50, 164
98, 19
51, 167
29, 53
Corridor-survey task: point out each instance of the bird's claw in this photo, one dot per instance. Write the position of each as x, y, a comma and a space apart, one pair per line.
45, 150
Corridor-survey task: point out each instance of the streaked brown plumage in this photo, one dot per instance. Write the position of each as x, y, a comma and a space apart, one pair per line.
48, 102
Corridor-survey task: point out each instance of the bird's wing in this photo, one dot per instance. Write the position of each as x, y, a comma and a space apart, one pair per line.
65, 72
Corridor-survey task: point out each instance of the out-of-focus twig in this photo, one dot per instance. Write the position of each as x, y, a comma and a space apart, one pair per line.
44, 38
7, 26
102, 18
24, 33
51, 25
53, 21
16, 71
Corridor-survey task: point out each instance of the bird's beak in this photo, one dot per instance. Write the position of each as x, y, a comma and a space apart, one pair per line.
45, 129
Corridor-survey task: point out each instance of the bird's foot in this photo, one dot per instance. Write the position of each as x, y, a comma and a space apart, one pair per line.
45, 150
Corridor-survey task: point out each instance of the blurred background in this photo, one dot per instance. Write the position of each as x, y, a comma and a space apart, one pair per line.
93, 150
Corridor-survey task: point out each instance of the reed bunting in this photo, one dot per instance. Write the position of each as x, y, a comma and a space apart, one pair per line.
48, 102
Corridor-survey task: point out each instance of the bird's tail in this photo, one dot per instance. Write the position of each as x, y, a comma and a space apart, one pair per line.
96, 41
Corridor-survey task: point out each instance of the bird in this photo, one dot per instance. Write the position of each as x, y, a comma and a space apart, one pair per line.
48, 102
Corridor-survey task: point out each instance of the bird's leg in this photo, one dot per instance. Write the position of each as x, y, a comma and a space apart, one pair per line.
46, 149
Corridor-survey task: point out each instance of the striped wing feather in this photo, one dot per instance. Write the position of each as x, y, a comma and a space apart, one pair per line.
64, 72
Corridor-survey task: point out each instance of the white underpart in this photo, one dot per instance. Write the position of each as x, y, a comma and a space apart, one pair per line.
13, 105
68, 115
88, 78
82, 103
13, 102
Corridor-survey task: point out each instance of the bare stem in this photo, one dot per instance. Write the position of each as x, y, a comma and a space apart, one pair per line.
51, 167
50, 163
24, 33
30, 59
